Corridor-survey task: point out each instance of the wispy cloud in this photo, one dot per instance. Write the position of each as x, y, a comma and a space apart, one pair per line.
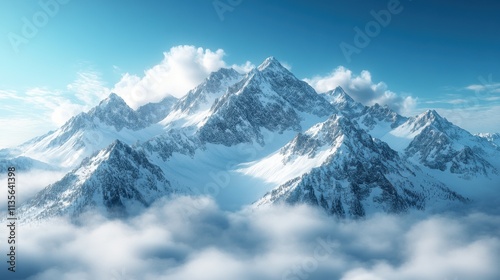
470, 116
60, 105
492, 98
493, 87
475, 107
446, 101
89, 88
171, 241
363, 89
7, 94
38, 110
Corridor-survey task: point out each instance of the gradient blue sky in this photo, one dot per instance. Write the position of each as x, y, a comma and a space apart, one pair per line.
442, 54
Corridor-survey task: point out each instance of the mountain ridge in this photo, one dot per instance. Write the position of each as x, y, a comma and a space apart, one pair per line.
115, 181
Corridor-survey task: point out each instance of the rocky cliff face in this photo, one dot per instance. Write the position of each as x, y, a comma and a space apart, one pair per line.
444, 146
269, 97
116, 181
360, 175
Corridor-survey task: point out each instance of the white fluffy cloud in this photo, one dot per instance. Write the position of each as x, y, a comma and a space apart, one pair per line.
89, 88
182, 69
244, 68
362, 89
172, 240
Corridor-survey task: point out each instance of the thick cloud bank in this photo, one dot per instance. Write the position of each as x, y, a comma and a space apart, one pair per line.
176, 239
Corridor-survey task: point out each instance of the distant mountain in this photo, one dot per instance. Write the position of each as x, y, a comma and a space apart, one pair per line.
188, 114
378, 117
165, 145
439, 144
377, 120
343, 102
152, 113
116, 181
203, 96
430, 140
194, 108
359, 175
492, 137
24, 164
89, 132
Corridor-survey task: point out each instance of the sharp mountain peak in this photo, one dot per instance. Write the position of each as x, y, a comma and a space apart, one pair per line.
271, 63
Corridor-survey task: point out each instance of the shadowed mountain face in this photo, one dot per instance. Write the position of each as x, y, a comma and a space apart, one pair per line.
152, 113
360, 175
269, 97
343, 102
446, 147
117, 181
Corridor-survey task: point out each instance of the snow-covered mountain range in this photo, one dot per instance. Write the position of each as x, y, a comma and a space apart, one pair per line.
356, 174
117, 181
264, 137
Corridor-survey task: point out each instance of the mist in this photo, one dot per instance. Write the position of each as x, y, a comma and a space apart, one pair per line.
28, 185
191, 238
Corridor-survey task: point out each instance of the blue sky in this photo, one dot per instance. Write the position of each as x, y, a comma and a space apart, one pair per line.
430, 54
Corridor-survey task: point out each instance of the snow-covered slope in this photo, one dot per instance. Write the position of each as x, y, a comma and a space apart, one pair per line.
492, 137
378, 121
439, 144
194, 108
89, 132
152, 113
229, 109
343, 102
432, 141
188, 114
116, 181
360, 175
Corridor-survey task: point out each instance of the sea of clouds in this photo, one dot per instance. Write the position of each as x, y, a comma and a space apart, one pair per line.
177, 239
